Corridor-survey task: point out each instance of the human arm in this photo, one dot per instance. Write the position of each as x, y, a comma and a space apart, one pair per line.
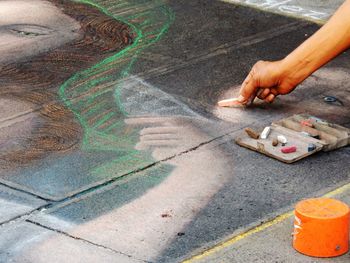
270, 79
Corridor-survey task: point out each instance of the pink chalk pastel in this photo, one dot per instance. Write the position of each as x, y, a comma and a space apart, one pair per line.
289, 149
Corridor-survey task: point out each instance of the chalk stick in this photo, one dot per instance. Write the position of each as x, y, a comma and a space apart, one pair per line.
274, 142
282, 139
311, 147
265, 133
233, 103
289, 149
251, 133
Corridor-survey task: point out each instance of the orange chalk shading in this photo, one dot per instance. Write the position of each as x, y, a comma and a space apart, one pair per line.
321, 227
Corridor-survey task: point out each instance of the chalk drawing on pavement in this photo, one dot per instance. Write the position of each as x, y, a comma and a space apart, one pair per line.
288, 7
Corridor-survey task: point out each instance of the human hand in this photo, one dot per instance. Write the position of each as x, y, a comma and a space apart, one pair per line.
266, 81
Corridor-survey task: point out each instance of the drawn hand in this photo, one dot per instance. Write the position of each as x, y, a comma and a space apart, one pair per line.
166, 136
266, 81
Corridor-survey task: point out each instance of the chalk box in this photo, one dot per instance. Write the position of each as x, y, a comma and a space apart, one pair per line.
326, 137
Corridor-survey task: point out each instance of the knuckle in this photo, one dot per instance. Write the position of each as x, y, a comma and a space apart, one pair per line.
260, 62
257, 68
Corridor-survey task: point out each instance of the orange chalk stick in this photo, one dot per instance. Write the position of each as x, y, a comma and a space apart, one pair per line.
321, 227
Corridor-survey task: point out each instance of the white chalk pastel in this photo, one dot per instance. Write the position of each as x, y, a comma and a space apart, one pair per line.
282, 139
265, 133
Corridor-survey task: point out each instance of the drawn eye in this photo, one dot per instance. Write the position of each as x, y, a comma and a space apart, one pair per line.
30, 30
26, 33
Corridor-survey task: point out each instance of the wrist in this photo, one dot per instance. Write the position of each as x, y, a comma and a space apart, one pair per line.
294, 70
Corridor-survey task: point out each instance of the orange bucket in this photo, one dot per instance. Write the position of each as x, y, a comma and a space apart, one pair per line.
321, 227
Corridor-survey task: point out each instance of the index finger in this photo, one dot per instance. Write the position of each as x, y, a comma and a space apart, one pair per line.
242, 100
248, 89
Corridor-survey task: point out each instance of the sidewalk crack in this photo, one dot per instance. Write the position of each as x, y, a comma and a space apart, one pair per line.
85, 240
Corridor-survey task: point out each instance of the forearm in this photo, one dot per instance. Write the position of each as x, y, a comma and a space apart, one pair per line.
328, 42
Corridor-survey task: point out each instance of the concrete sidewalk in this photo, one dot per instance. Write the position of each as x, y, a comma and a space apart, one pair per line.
156, 176
268, 242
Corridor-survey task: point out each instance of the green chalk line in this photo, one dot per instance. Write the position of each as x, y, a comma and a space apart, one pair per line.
157, 22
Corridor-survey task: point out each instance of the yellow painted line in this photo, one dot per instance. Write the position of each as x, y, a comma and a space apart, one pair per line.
235, 239
257, 229
338, 191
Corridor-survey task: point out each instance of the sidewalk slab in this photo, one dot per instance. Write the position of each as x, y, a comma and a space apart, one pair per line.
28, 243
13, 204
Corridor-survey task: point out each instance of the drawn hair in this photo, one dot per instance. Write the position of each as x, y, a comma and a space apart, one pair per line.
37, 80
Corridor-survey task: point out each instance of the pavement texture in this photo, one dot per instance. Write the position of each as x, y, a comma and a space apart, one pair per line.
269, 243
156, 176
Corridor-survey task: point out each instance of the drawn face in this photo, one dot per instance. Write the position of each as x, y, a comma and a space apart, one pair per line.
31, 27
28, 28
42, 44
